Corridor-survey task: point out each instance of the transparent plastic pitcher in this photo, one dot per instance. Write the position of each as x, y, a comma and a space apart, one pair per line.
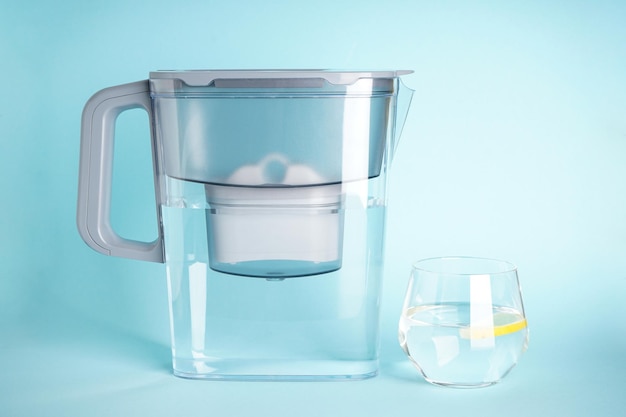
271, 196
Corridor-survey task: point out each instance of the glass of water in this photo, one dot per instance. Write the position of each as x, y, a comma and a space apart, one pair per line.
463, 322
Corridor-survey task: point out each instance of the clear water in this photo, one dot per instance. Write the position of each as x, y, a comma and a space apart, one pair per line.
241, 327
448, 351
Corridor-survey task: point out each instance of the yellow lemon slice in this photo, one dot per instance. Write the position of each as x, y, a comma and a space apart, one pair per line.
503, 324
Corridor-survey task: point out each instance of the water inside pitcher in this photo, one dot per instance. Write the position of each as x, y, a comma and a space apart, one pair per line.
297, 318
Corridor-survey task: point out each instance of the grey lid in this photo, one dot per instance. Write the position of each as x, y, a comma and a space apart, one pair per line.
206, 77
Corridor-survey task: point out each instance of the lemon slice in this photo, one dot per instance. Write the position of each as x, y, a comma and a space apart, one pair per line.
503, 324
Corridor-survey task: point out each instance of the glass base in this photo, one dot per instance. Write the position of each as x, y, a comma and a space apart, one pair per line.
463, 385
275, 370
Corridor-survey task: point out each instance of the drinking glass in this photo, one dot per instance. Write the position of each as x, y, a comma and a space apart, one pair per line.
463, 323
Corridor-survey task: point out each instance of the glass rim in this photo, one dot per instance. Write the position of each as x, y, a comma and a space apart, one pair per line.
506, 266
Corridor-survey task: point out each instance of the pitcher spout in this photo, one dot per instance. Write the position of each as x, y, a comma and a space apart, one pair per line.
403, 103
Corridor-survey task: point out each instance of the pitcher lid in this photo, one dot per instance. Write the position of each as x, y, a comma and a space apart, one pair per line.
206, 77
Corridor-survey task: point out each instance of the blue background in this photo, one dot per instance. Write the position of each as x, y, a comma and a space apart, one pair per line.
514, 148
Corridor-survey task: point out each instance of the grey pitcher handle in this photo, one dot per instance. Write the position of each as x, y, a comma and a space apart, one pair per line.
96, 166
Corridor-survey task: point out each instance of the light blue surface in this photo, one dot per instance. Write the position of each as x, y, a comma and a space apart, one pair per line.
515, 148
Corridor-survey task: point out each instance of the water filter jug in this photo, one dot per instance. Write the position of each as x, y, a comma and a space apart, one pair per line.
271, 197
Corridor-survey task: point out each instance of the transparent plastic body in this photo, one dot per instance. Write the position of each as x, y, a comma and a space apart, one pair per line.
273, 201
